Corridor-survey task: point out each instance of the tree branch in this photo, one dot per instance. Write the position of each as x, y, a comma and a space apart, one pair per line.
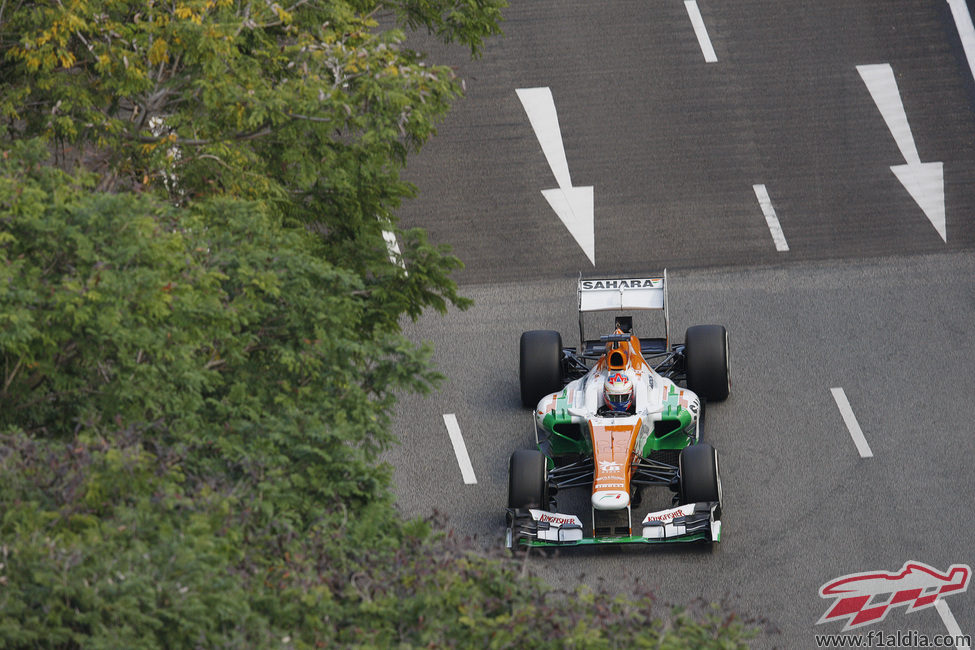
10, 377
210, 156
309, 118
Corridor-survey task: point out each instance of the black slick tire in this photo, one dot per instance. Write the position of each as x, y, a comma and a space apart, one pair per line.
699, 479
527, 481
706, 352
541, 365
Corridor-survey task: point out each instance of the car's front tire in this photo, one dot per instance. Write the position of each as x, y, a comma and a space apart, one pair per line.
699, 478
527, 480
706, 356
541, 365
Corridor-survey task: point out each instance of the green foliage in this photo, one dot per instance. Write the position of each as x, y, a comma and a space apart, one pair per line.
311, 109
224, 334
194, 380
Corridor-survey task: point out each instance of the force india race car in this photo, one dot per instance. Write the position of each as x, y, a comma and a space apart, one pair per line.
586, 439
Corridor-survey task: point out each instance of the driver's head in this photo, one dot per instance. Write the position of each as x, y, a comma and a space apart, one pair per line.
618, 392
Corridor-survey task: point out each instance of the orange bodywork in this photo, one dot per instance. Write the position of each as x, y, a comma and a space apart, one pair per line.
630, 350
612, 446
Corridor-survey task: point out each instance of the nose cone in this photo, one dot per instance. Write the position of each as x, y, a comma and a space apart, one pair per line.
610, 500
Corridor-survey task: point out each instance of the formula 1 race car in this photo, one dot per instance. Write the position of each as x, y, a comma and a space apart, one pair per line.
608, 419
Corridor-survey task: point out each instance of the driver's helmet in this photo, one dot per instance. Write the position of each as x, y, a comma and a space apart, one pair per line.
618, 392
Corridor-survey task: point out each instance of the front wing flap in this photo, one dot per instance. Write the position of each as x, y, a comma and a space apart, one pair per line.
692, 522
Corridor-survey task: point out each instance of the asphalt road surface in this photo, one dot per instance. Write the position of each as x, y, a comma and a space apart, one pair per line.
761, 177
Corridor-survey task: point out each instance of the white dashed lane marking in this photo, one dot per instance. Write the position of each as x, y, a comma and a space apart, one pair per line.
460, 449
700, 30
773, 221
851, 422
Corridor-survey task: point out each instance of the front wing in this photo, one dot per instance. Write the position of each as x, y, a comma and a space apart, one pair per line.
692, 522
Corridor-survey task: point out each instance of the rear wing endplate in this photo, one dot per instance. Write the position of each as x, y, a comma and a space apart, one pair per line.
623, 294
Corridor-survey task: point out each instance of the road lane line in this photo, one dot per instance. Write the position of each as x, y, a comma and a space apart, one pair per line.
851, 422
773, 221
949, 620
460, 449
700, 30
963, 22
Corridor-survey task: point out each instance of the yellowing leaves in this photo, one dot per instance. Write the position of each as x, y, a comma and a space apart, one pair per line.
33, 62
44, 58
159, 52
185, 13
284, 16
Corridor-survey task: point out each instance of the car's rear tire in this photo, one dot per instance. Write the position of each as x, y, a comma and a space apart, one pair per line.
527, 480
699, 478
706, 355
541, 365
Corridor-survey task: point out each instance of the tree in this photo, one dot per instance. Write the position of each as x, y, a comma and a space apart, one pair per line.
310, 108
173, 374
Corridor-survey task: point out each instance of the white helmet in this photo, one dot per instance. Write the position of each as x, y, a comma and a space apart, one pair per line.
618, 391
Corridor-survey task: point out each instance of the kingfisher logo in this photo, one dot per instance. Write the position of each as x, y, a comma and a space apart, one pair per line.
864, 598
557, 520
667, 515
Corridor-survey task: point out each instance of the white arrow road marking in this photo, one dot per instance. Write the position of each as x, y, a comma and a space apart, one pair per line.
544, 119
851, 422
963, 23
773, 221
573, 205
883, 88
950, 623
924, 181
700, 30
460, 449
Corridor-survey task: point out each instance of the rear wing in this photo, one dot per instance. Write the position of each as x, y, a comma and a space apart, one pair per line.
624, 294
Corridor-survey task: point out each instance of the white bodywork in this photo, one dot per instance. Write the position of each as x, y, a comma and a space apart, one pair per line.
583, 399
669, 523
